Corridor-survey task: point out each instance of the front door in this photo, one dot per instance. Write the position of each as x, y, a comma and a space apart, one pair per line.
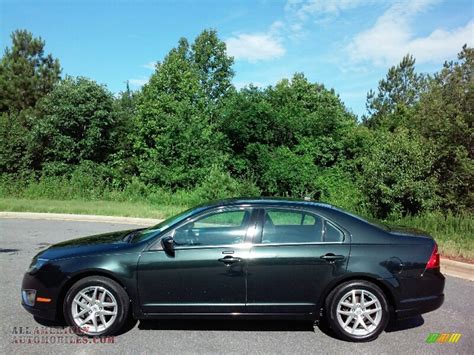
296, 254
207, 272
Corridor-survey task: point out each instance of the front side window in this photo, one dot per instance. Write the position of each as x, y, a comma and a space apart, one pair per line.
216, 228
287, 226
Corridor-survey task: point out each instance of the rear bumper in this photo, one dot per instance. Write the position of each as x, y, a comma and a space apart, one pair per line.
416, 306
421, 294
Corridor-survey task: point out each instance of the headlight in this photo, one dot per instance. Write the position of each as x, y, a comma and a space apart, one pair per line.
36, 264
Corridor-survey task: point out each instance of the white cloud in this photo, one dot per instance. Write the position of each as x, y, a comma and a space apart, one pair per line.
303, 9
255, 47
320, 12
392, 37
138, 82
149, 65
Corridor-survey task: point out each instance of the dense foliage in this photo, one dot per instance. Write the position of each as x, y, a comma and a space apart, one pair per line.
190, 132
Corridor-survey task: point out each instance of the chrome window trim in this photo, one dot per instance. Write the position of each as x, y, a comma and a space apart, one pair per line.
243, 246
293, 244
249, 241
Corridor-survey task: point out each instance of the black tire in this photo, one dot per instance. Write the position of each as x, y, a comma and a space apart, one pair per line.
121, 298
340, 292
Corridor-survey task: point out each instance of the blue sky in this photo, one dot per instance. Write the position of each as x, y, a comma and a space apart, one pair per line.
347, 45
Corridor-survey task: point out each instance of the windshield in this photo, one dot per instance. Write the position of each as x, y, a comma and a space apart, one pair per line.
160, 227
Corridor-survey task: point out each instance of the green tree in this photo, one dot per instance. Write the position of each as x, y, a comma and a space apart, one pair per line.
397, 174
174, 140
214, 66
26, 73
14, 155
315, 120
247, 120
122, 160
75, 122
445, 117
396, 96
286, 173
280, 135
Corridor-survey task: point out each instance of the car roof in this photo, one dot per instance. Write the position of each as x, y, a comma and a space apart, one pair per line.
266, 201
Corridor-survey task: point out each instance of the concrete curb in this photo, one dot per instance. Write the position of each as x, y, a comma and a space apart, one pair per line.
457, 269
448, 267
81, 218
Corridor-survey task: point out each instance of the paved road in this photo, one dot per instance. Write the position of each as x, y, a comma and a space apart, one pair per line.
21, 239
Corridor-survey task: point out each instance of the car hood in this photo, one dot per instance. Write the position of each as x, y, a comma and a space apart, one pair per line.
97, 244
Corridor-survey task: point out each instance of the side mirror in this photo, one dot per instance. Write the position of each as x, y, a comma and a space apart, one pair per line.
168, 245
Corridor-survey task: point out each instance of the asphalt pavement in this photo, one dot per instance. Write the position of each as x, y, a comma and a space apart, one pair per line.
21, 239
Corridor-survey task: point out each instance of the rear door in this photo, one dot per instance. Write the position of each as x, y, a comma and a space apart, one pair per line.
295, 254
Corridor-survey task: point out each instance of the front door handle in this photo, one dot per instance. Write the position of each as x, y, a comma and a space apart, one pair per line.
229, 260
332, 257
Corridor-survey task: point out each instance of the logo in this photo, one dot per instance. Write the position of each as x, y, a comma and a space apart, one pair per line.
442, 338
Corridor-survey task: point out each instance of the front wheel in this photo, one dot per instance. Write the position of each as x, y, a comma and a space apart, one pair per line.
357, 311
96, 306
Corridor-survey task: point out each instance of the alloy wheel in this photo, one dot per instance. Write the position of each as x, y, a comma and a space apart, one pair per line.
94, 309
359, 312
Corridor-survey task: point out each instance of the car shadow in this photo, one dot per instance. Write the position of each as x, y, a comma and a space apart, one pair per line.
61, 323
238, 325
227, 325
404, 324
51, 323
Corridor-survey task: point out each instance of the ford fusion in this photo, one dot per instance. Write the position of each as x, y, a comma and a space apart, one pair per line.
241, 258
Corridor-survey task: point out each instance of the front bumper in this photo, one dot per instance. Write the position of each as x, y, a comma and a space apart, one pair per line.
39, 309
40, 312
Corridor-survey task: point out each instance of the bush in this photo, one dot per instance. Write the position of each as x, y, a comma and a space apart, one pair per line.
335, 186
397, 175
285, 173
219, 184
74, 122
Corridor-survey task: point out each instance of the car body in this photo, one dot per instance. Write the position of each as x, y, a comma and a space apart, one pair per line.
242, 258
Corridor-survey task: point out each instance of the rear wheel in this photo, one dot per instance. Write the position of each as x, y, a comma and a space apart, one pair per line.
357, 311
96, 306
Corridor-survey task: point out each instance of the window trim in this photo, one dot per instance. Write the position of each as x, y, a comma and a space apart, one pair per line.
257, 239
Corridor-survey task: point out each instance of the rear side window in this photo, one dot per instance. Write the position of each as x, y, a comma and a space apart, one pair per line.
287, 226
332, 234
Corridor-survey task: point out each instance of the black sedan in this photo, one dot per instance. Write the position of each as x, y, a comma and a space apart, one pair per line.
241, 258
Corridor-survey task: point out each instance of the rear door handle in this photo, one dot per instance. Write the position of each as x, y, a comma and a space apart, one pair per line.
332, 257
228, 260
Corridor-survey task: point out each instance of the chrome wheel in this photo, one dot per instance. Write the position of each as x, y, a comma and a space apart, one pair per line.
359, 312
94, 309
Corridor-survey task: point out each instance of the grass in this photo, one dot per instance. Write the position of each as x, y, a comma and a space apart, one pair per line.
453, 233
104, 208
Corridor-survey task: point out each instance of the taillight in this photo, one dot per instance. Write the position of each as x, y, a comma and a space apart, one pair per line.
433, 263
